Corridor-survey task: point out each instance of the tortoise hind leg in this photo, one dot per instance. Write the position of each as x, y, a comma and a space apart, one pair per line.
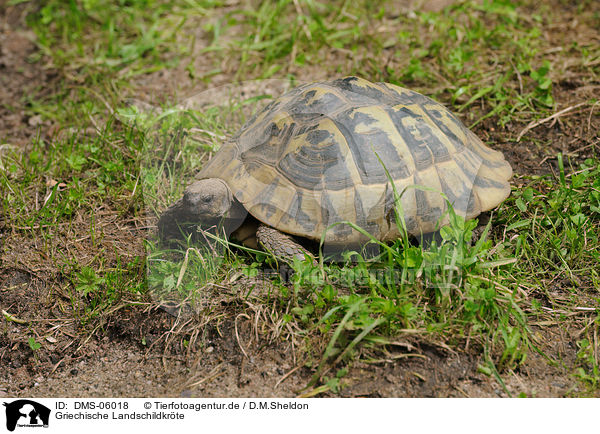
280, 244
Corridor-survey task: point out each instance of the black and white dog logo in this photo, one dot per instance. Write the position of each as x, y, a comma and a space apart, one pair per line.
26, 413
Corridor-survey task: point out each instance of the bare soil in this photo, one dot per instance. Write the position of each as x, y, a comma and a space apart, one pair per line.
18, 78
137, 350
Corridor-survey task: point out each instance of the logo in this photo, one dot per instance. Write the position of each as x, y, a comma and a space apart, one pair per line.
26, 413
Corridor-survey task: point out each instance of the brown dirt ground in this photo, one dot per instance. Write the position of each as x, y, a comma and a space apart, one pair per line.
136, 351
18, 77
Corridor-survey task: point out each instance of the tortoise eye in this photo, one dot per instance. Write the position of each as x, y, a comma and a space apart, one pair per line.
207, 199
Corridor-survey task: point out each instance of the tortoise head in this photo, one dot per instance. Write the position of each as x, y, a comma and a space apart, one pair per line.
211, 199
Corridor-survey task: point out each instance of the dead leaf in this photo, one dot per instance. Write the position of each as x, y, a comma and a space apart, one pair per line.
34, 121
51, 183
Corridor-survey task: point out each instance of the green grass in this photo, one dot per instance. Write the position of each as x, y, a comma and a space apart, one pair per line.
449, 290
587, 355
96, 169
97, 47
554, 224
66, 189
487, 60
94, 293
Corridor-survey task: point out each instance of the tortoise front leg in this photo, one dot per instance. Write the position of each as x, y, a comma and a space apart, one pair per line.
280, 244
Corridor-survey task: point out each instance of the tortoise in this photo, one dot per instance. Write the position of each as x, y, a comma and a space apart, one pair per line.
325, 153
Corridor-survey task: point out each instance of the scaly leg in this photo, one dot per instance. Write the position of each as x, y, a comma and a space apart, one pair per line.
280, 244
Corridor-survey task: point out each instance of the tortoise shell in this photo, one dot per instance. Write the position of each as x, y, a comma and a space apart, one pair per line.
325, 152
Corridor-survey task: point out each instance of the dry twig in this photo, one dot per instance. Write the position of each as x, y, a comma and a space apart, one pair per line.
549, 118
